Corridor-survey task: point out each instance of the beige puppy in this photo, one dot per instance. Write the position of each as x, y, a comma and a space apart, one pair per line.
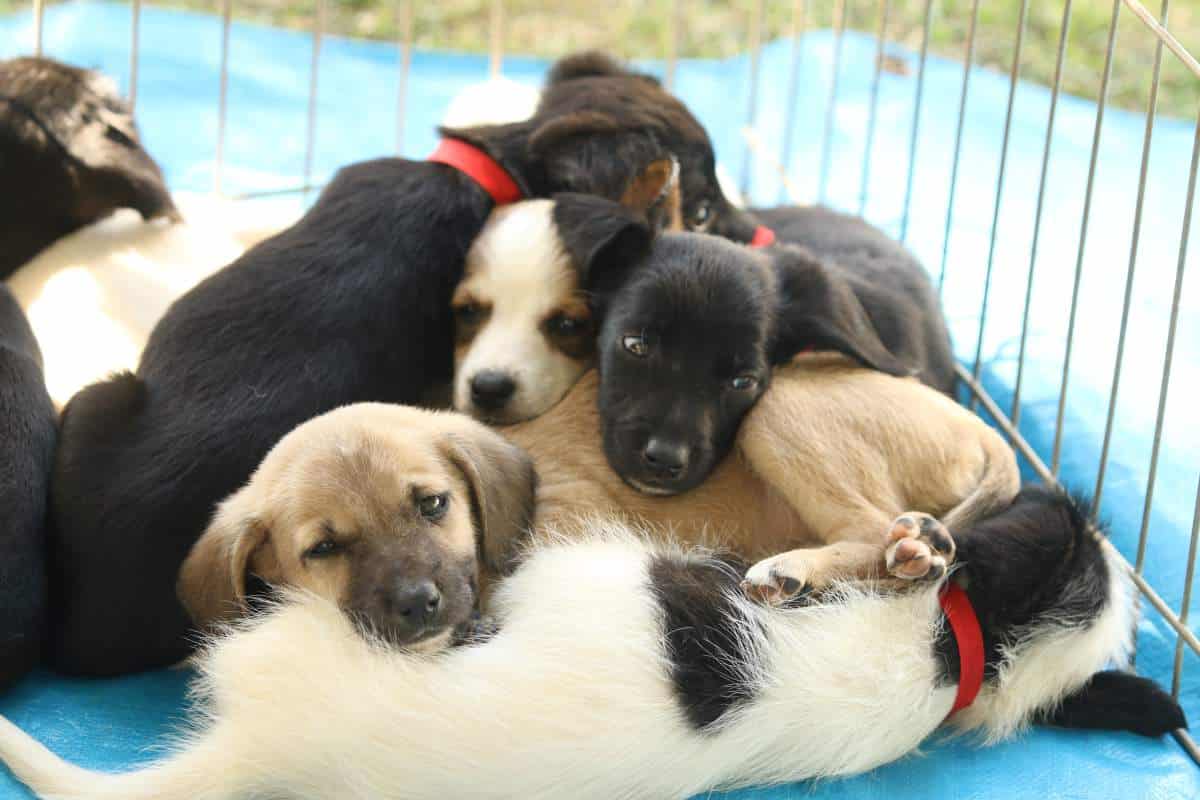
388, 511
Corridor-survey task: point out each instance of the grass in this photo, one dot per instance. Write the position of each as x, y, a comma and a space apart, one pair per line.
707, 29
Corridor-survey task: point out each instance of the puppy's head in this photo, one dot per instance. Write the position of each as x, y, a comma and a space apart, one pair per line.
523, 327
596, 127
391, 512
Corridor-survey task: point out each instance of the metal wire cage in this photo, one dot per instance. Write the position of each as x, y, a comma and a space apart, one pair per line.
768, 157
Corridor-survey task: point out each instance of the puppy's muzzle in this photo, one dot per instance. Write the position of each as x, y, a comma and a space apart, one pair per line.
666, 459
491, 389
416, 606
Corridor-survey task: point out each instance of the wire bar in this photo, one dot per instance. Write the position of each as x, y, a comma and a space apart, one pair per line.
827, 139
1013, 76
1164, 36
799, 21
314, 71
1186, 604
496, 38
881, 41
1064, 29
673, 26
404, 14
791, 192
968, 62
135, 21
1087, 211
916, 126
1169, 353
1135, 240
39, 25
754, 45
223, 98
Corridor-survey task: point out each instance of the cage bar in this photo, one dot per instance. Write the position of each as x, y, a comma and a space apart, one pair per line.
673, 25
799, 22
754, 45
496, 38
39, 19
916, 125
827, 139
223, 97
881, 42
135, 21
314, 70
404, 18
968, 62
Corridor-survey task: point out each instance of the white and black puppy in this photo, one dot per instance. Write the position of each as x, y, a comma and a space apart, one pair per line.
621, 670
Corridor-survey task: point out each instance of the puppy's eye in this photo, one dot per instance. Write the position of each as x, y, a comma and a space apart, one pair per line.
468, 314
701, 215
323, 549
433, 506
562, 325
743, 383
635, 345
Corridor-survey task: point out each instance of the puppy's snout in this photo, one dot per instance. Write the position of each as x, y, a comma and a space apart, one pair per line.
491, 389
665, 458
417, 604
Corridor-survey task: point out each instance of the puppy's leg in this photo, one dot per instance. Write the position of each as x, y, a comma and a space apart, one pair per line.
918, 548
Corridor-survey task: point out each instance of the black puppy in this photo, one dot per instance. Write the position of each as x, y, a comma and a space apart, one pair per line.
27, 430
351, 304
689, 326
69, 155
887, 279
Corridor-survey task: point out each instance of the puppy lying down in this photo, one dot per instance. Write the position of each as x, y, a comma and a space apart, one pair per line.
622, 669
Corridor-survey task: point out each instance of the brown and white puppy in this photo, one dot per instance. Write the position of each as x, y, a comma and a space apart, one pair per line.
387, 511
523, 326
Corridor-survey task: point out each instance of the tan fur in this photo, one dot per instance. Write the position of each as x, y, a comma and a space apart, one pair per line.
830, 455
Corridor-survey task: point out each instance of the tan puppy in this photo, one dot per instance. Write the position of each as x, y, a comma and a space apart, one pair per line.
831, 455
385, 510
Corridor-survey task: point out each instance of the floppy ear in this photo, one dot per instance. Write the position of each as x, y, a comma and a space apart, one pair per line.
502, 483
1118, 701
818, 310
655, 192
212, 580
605, 240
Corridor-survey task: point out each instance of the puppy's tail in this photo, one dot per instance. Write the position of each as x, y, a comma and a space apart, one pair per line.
996, 488
188, 776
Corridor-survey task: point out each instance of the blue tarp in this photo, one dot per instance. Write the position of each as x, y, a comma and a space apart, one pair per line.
108, 724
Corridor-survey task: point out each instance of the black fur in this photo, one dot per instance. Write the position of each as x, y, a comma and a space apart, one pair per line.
350, 304
701, 627
28, 431
710, 311
71, 146
1038, 564
887, 279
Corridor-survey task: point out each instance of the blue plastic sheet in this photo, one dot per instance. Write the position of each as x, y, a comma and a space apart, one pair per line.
110, 724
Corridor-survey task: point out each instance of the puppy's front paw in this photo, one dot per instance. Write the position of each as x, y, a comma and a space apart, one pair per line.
919, 548
778, 579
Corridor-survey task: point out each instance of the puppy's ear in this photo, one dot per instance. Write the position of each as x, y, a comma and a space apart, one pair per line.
817, 310
588, 64
655, 193
605, 240
502, 482
212, 580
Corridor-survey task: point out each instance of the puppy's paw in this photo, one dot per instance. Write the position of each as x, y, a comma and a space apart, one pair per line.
919, 548
778, 579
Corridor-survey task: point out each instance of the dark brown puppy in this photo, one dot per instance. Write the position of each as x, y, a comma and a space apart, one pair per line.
69, 155
351, 304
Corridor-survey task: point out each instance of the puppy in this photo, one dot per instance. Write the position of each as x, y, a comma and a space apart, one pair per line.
69, 141
380, 509
28, 428
522, 322
350, 304
626, 670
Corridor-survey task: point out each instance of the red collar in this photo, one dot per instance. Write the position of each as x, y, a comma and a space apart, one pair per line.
965, 626
481, 167
763, 237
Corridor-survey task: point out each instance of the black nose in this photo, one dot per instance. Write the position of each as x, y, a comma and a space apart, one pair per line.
491, 389
665, 458
417, 604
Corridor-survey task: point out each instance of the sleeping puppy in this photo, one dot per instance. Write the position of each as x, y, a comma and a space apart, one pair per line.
350, 304
27, 429
622, 669
387, 511
70, 142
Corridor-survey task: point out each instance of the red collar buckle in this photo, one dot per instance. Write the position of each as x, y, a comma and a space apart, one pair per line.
965, 626
763, 237
480, 167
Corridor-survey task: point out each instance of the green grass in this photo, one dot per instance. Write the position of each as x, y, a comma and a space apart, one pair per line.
630, 28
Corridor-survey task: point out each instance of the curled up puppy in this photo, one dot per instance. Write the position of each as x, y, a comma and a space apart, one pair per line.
625, 670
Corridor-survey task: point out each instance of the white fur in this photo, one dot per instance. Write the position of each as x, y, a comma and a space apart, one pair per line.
93, 297
517, 266
492, 102
572, 698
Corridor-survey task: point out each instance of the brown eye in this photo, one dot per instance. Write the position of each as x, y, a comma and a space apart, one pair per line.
562, 325
636, 345
743, 383
434, 506
323, 549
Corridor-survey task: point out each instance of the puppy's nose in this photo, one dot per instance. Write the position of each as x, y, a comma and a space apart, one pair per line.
417, 603
491, 389
665, 458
